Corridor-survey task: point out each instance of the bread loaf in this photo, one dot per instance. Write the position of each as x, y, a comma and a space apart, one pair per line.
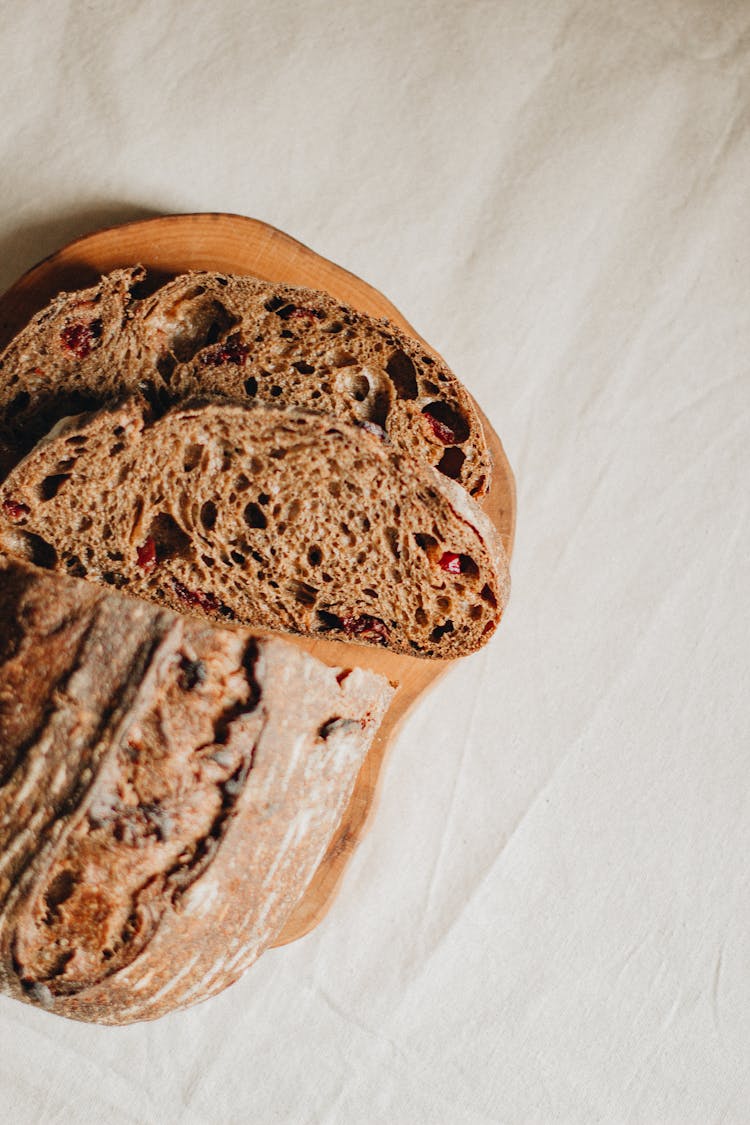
278, 518
167, 790
208, 333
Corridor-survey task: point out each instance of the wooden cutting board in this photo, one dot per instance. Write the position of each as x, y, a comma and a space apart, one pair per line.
234, 244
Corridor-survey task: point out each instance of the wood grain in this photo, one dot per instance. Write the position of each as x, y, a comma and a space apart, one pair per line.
235, 244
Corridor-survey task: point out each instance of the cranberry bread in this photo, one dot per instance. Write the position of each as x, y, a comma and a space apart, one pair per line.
168, 789
245, 338
69, 357
278, 518
223, 335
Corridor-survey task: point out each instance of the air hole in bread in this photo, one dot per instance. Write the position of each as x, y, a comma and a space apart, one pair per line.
40, 552
207, 560
342, 358
75, 567
468, 567
451, 463
254, 516
208, 515
117, 448
59, 891
303, 592
402, 374
440, 630
334, 327
238, 557
449, 421
357, 385
194, 324
328, 622
275, 392
264, 499
369, 592
426, 542
192, 460
251, 387
293, 510
115, 556
429, 387
303, 368
242, 483
50, 486
169, 538
85, 523
487, 596
391, 536
476, 612
314, 556
420, 616
274, 303
334, 487
443, 604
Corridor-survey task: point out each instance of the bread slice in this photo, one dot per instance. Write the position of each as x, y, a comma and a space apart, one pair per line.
279, 518
223, 335
249, 339
168, 790
69, 357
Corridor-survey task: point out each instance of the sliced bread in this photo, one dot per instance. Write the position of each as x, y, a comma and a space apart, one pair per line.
279, 518
168, 789
69, 357
224, 335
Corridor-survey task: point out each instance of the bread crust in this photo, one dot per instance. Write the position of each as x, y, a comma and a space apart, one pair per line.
257, 749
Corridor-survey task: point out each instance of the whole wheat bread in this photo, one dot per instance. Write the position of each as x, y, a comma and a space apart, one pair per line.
167, 790
279, 518
215, 334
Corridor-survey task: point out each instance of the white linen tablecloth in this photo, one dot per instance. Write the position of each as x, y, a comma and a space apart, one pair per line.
549, 920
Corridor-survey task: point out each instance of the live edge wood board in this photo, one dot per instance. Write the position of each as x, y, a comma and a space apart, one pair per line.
234, 244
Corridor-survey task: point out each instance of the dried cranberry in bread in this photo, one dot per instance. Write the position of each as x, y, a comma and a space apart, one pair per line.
70, 357
278, 518
223, 335
167, 791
